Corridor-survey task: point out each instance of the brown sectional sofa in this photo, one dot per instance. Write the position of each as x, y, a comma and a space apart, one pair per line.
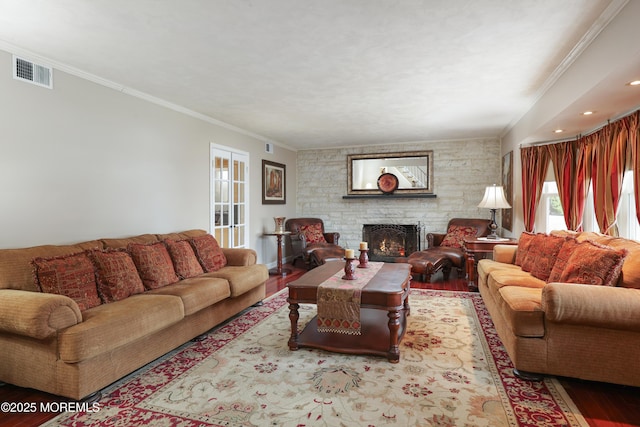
567, 329
48, 344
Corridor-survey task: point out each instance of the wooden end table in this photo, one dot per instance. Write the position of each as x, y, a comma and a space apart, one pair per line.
479, 247
279, 271
384, 307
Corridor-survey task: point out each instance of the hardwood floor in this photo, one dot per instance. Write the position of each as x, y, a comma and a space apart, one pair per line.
602, 405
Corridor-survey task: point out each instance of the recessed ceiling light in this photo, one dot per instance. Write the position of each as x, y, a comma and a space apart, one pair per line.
588, 113
634, 83
559, 130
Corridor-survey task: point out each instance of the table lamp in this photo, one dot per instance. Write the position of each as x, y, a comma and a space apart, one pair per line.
494, 199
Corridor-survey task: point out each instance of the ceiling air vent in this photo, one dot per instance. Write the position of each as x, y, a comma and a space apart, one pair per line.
28, 71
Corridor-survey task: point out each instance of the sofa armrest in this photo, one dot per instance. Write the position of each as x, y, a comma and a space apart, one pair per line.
240, 256
598, 306
505, 253
37, 315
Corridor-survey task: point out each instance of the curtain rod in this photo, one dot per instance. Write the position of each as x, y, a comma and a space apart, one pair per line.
577, 137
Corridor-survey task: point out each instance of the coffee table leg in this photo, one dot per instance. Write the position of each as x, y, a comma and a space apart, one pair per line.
294, 315
394, 327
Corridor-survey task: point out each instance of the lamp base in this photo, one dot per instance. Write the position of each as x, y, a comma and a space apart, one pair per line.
493, 226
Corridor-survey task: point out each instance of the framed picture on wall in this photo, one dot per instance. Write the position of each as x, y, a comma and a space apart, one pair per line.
273, 183
507, 183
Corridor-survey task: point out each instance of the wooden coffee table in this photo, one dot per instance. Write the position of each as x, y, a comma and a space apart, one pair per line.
383, 312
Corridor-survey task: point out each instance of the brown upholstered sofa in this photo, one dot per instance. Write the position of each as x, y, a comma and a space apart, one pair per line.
48, 343
563, 326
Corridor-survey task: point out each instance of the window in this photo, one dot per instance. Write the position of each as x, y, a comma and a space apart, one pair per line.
550, 214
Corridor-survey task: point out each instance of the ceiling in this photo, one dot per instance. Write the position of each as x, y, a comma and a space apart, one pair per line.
322, 73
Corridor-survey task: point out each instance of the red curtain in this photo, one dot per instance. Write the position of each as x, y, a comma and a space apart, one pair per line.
600, 158
570, 161
634, 145
535, 161
608, 167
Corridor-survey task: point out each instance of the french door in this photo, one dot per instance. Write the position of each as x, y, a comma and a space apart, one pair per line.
229, 196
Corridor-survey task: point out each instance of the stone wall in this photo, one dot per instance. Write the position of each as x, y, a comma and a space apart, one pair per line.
462, 170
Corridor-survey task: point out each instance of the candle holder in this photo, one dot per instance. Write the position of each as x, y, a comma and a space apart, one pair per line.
364, 258
349, 269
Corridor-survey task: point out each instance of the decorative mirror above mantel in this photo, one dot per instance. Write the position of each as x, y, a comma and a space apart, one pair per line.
407, 173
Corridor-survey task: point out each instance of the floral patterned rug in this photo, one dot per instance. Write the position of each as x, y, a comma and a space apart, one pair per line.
453, 371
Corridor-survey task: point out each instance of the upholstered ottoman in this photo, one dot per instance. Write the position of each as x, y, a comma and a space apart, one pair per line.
426, 263
321, 255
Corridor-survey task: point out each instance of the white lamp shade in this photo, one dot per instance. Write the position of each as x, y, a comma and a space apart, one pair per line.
494, 198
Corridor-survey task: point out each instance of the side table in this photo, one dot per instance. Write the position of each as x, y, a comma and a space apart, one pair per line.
479, 247
279, 271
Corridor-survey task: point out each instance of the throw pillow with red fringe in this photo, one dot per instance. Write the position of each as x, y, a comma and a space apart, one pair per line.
70, 275
184, 259
208, 252
313, 233
542, 255
562, 258
594, 264
456, 234
153, 263
523, 247
116, 274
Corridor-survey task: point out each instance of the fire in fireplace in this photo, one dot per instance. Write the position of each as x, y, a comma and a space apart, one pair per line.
390, 241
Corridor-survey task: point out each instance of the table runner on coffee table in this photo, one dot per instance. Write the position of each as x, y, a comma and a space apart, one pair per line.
339, 300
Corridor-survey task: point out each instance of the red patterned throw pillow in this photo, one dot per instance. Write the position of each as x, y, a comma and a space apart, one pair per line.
117, 275
208, 252
523, 247
313, 233
543, 254
72, 276
456, 234
594, 264
184, 259
562, 258
154, 264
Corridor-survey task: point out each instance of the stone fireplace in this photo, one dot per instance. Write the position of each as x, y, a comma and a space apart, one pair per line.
390, 241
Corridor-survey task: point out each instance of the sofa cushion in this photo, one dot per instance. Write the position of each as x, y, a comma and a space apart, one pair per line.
208, 252
501, 277
521, 306
197, 293
523, 247
242, 279
543, 253
69, 275
110, 326
456, 234
154, 264
184, 259
116, 275
593, 264
143, 239
312, 233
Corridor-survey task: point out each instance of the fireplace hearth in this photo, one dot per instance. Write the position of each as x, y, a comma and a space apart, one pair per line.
390, 241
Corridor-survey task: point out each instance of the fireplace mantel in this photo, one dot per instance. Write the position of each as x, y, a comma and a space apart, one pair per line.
390, 196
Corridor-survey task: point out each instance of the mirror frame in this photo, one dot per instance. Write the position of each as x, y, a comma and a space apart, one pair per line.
428, 155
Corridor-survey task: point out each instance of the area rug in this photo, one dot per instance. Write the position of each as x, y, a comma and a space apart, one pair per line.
453, 371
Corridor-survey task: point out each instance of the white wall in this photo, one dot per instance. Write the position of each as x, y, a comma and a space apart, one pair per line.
84, 161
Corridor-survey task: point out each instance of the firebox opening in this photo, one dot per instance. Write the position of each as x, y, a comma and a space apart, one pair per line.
390, 241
